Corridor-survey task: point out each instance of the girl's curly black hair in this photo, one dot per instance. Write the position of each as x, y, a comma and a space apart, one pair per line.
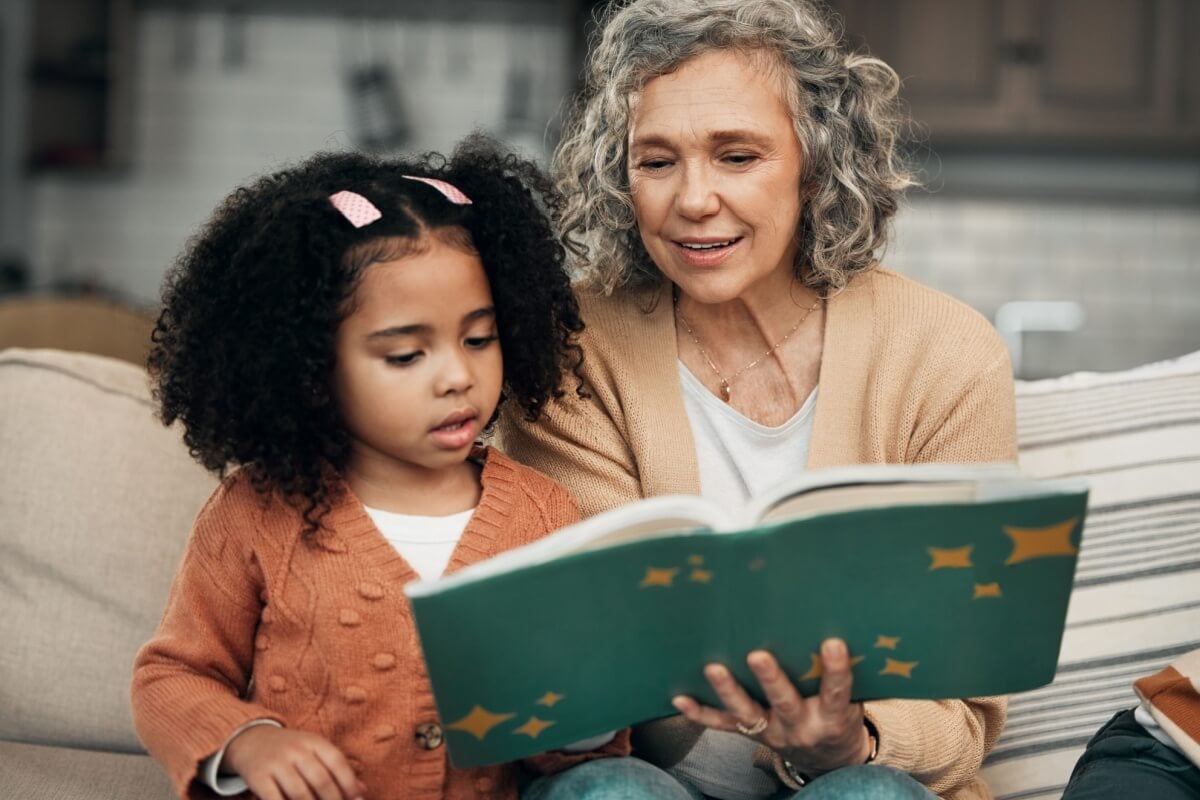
243, 350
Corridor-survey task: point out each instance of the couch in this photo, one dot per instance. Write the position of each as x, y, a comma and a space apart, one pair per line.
96, 498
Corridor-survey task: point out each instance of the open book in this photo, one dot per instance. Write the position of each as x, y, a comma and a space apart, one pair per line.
945, 581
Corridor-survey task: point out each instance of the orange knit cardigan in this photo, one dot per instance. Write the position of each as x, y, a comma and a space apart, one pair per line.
327, 634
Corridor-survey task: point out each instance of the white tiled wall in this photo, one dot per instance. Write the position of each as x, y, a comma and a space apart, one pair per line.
1134, 268
202, 127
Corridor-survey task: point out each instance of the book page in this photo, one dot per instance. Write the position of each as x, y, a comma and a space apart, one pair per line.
845, 498
839, 479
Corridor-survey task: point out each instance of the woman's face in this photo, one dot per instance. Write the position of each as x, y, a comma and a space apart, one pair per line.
714, 169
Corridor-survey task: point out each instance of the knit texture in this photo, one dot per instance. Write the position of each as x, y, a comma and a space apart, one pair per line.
1173, 695
326, 632
907, 375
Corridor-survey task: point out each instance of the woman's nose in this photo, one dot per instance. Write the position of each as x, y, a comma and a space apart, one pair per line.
696, 197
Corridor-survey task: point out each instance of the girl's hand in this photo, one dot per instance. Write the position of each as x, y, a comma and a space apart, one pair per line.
815, 734
282, 764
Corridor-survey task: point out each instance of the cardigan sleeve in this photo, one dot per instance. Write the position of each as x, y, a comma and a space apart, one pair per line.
980, 422
1173, 700
190, 678
577, 441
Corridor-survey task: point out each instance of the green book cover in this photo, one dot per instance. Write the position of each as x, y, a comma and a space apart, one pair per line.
944, 581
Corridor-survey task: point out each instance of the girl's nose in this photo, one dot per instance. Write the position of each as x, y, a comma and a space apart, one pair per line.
696, 197
454, 375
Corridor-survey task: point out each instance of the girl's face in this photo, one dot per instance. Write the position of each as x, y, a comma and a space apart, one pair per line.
418, 368
714, 169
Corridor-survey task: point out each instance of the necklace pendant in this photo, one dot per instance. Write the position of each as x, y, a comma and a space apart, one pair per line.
726, 392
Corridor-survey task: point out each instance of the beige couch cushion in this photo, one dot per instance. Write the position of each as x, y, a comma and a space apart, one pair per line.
96, 501
33, 772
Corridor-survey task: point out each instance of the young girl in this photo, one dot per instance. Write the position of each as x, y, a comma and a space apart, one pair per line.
335, 333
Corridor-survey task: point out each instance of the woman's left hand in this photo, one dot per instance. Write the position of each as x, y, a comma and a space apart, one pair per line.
815, 734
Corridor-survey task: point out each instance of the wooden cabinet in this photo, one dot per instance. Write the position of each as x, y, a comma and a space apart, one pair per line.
1078, 72
1189, 46
80, 84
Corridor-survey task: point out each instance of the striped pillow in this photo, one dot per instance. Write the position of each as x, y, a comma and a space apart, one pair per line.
1135, 436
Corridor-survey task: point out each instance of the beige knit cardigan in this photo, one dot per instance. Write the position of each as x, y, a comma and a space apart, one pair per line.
907, 375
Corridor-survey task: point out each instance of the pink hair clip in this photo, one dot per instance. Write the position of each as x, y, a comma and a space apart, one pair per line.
355, 208
449, 191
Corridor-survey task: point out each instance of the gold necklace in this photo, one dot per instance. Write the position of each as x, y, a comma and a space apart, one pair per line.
726, 388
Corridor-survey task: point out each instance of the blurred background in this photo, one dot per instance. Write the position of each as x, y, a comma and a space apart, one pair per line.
1059, 141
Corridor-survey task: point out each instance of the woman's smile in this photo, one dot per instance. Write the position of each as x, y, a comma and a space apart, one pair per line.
701, 253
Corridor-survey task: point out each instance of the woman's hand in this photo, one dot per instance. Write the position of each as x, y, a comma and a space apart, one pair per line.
283, 764
815, 734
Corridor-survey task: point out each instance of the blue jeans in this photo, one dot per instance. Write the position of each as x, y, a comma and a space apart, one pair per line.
626, 778
633, 779
866, 782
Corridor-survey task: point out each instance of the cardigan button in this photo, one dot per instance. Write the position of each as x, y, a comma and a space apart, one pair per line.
384, 661
370, 590
429, 735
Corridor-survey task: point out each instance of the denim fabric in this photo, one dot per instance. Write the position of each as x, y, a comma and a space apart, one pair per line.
608, 779
1123, 761
866, 782
633, 779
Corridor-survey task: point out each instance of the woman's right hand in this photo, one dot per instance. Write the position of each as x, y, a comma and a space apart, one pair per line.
282, 764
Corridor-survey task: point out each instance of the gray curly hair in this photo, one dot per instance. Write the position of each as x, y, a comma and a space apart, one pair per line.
844, 105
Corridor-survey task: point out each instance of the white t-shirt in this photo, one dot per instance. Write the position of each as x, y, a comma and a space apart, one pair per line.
425, 542
737, 458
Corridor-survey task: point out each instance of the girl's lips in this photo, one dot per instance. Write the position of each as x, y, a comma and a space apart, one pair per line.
707, 257
457, 432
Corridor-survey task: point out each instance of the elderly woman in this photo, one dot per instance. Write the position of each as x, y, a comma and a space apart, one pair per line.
728, 180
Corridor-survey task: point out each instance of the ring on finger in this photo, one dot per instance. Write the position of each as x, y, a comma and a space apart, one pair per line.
754, 729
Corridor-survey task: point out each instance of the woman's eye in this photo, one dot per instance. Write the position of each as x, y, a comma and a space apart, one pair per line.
741, 159
654, 164
480, 342
402, 359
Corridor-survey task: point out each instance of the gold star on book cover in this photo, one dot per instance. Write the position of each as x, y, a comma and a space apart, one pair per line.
944, 581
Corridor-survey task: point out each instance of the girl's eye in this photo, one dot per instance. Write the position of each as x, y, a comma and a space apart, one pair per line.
402, 359
480, 342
